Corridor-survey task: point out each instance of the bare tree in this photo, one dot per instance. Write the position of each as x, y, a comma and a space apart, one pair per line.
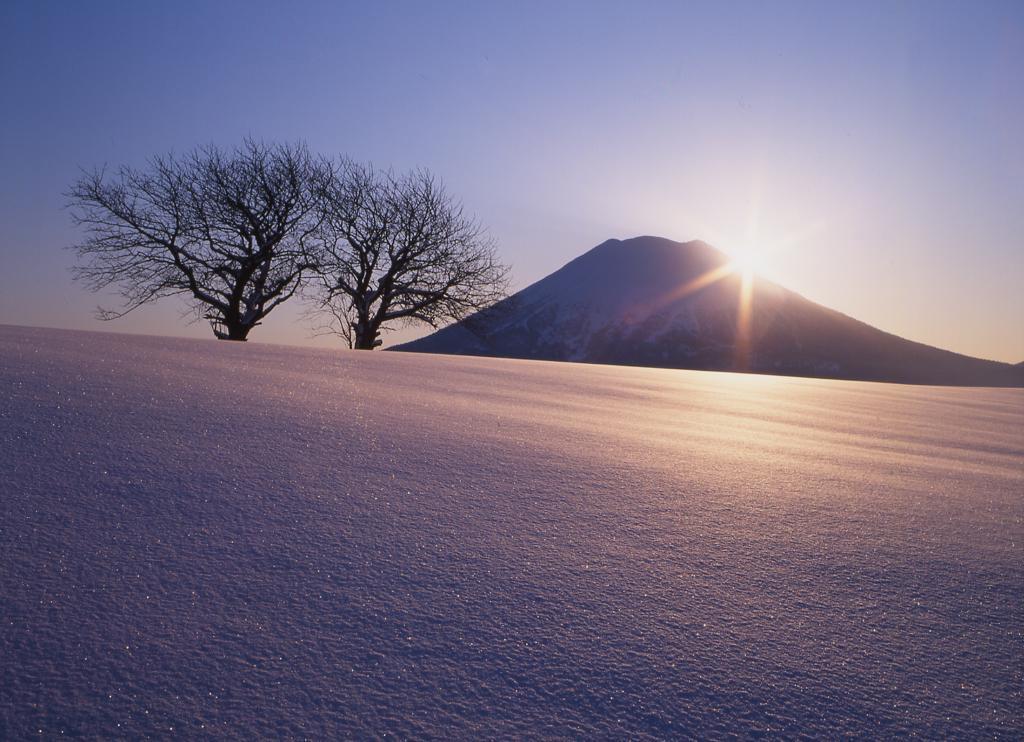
225, 229
397, 249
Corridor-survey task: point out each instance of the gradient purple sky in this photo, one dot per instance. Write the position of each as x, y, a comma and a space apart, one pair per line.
873, 154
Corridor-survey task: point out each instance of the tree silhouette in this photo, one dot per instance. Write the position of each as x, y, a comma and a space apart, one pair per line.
396, 249
225, 228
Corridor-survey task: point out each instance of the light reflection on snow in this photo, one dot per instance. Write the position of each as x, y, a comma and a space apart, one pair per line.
269, 541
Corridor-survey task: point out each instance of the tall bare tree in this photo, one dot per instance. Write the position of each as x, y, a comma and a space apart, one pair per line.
226, 229
394, 249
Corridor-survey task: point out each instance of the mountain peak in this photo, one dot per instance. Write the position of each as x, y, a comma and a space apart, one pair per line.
625, 271
650, 246
652, 301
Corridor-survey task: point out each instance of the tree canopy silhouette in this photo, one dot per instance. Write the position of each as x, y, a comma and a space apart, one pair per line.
225, 228
392, 249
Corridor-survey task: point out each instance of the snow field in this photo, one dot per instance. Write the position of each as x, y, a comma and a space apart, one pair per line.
258, 540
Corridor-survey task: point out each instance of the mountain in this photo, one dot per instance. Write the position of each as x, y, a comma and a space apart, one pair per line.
649, 301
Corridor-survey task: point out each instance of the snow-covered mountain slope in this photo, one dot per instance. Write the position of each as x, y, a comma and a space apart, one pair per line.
254, 541
649, 301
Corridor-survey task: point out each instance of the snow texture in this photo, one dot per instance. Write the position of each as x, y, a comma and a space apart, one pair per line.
254, 540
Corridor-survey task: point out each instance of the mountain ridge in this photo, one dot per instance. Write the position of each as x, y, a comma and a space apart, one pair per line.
651, 301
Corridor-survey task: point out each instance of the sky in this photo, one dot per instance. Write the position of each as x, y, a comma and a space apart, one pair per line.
872, 154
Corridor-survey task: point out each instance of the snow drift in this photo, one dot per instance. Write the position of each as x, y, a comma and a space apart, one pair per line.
261, 541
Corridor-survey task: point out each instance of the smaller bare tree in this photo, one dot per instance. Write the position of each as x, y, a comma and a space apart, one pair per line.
394, 249
225, 229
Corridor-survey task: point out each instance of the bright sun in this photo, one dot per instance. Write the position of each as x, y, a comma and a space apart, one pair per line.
747, 261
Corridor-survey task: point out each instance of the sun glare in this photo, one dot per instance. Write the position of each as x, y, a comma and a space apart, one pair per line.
747, 264
747, 261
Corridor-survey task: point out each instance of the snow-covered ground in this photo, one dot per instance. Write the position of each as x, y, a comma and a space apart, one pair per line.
258, 540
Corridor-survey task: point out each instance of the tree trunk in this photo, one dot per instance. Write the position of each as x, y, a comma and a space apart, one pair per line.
365, 336
236, 332
231, 329
233, 323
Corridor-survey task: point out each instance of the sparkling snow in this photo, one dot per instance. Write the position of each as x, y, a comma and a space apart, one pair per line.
257, 540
